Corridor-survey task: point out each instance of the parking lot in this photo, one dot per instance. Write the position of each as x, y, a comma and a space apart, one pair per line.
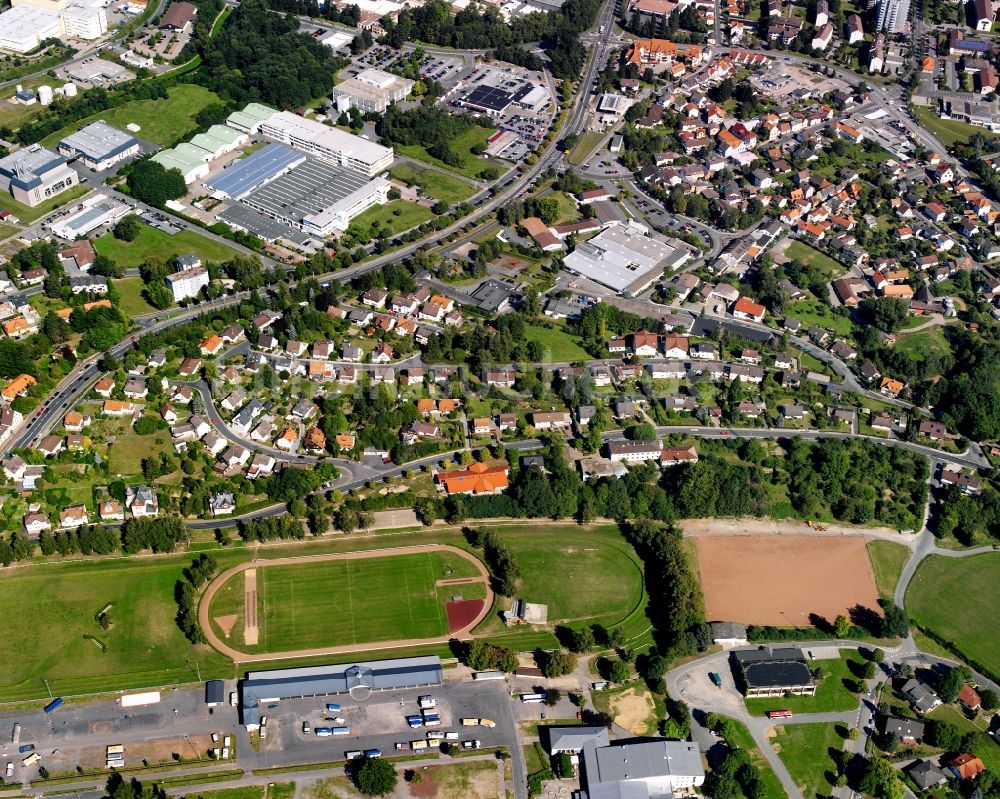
444, 69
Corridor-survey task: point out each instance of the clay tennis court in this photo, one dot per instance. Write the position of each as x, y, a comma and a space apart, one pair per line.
781, 580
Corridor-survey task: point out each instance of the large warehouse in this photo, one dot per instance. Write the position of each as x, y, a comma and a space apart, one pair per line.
299, 191
330, 144
346, 678
493, 100
624, 258
99, 145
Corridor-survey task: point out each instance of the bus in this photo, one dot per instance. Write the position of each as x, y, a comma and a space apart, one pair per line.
53, 706
779, 714
533, 699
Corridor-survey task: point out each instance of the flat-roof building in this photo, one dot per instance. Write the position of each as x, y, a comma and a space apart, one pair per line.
99, 145
494, 101
774, 671
317, 197
378, 675
25, 26
327, 143
97, 210
641, 769
624, 258
371, 90
243, 176
34, 174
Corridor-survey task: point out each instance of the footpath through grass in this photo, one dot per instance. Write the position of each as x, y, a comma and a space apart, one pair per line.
888, 560
805, 750
740, 736
958, 599
834, 692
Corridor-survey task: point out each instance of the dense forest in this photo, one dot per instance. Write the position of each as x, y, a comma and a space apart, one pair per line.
260, 56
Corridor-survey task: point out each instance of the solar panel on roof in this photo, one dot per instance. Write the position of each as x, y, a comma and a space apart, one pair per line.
256, 169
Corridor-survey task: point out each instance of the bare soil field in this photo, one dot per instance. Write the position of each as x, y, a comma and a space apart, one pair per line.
782, 579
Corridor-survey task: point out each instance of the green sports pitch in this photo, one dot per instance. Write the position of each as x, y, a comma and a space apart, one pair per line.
344, 602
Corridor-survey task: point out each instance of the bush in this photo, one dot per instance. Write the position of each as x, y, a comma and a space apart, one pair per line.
128, 228
148, 425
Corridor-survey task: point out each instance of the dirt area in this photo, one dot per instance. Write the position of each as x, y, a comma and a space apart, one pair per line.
743, 527
479, 780
391, 519
226, 623
782, 580
251, 632
160, 750
330, 788
631, 710
462, 613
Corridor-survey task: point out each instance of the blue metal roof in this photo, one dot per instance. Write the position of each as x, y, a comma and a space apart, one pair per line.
249, 173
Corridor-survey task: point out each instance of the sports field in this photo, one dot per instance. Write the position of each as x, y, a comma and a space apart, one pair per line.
957, 598
783, 579
52, 608
343, 602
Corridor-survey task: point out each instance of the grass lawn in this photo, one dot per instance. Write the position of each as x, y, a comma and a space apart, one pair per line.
958, 600
399, 215
132, 303
559, 345
741, 737
803, 253
568, 211
953, 714
246, 792
433, 184
812, 312
948, 131
887, 560
153, 243
335, 602
128, 451
586, 575
584, 147
832, 693
472, 166
924, 343
144, 646
805, 751
162, 122
29, 214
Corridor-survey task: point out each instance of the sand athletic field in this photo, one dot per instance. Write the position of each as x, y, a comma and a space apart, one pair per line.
781, 580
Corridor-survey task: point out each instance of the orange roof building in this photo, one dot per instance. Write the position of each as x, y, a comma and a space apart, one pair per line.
651, 51
211, 345
967, 766
18, 387
480, 478
345, 440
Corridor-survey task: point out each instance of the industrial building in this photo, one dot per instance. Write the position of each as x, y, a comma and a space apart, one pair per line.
327, 143
379, 675
250, 118
34, 174
97, 210
625, 258
192, 158
27, 24
774, 672
493, 101
247, 220
372, 90
99, 145
299, 191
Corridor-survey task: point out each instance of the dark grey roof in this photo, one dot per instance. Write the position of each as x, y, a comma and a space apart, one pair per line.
215, 692
378, 675
773, 668
925, 774
904, 728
